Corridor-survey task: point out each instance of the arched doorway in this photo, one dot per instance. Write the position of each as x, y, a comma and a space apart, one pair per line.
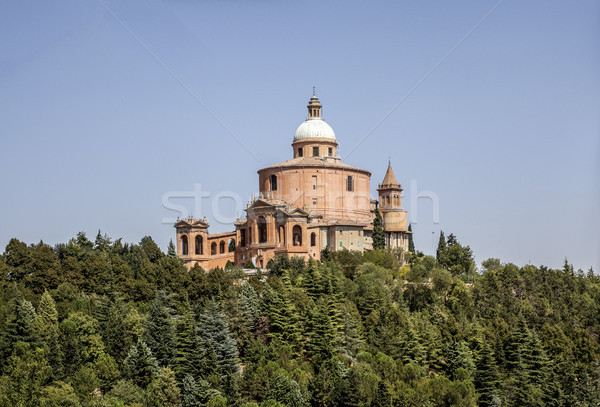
213, 248
313, 239
222, 247
231, 245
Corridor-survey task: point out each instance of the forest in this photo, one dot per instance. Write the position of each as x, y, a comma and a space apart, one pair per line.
106, 323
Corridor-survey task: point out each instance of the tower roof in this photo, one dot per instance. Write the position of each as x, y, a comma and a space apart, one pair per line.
390, 178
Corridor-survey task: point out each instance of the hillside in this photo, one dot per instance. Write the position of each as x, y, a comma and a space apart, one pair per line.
104, 323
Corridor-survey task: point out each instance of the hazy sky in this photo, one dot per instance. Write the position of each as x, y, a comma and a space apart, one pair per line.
97, 129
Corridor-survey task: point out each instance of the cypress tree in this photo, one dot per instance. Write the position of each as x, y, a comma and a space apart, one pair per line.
411, 243
215, 331
441, 246
378, 237
159, 331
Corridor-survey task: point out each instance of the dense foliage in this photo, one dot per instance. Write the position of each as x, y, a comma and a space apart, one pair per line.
103, 323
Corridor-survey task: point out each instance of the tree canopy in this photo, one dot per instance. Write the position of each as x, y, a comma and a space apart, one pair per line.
107, 323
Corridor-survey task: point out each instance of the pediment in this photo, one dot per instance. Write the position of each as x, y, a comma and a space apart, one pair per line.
191, 223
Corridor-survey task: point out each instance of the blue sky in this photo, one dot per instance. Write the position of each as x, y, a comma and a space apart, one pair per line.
95, 131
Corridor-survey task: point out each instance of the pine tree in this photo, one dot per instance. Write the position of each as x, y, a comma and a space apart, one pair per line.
112, 317
517, 357
189, 392
382, 398
46, 324
486, 377
538, 369
163, 391
249, 306
326, 386
283, 319
231, 390
321, 343
411, 347
193, 356
378, 237
171, 251
460, 357
441, 246
283, 389
159, 332
186, 340
102, 242
215, 331
24, 374
351, 338
140, 365
206, 392
312, 280
20, 327
411, 243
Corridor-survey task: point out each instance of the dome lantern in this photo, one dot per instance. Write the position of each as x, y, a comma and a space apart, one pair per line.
314, 127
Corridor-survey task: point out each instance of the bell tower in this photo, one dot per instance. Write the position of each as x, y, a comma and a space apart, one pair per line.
395, 226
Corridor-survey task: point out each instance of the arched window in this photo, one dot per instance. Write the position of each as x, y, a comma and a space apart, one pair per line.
198, 245
184, 245
262, 229
313, 239
242, 237
273, 182
350, 183
222, 246
297, 235
231, 245
213, 248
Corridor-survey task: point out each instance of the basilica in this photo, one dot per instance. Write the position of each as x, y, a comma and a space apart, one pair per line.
304, 205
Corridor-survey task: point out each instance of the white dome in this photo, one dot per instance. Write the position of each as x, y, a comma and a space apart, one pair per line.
315, 127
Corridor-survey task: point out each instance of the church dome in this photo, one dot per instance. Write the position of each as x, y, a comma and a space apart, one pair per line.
314, 127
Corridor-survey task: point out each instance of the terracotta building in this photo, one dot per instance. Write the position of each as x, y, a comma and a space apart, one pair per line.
304, 205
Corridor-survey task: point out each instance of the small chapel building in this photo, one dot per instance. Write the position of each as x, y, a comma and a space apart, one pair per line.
304, 205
